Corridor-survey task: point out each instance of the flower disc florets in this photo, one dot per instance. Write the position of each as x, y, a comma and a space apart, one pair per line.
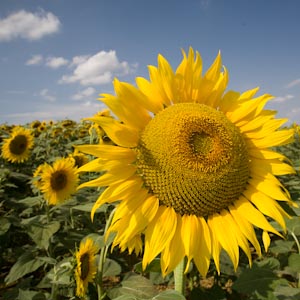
193, 159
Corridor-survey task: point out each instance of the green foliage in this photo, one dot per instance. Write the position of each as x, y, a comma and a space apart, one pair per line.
38, 242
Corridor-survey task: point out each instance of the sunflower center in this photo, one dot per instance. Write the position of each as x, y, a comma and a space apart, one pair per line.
58, 180
18, 145
193, 159
85, 266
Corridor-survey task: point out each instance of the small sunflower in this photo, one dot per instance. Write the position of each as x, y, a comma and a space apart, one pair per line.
86, 266
79, 159
17, 148
59, 181
191, 165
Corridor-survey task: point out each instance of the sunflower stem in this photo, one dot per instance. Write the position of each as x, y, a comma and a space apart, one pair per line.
103, 253
298, 245
179, 278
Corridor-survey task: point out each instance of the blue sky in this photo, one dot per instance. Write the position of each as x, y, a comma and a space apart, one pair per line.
57, 56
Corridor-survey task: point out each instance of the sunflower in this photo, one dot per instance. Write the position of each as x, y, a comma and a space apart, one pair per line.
191, 165
58, 181
79, 159
86, 266
16, 147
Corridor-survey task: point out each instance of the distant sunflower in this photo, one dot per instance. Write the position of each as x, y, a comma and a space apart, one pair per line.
59, 181
191, 166
17, 147
80, 159
86, 266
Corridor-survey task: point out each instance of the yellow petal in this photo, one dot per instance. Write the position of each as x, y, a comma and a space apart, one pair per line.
257, 122
167, 77
173, 253
276, 138
159, 233
215, 244
220, 226
155, 78
115, 175
266, 240
267, 128
254, 216
107, 152
141, 217
190, 228
246, 228
202, 261
129, 102
270, 187
266, 205
237, 233
233, 100
149, 101
121, 134
118, 191
247, 107
274, 166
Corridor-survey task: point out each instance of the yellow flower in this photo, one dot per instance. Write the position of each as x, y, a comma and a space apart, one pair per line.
79, 159
191, 165
16, 148
37, 181
59, 181
86, 266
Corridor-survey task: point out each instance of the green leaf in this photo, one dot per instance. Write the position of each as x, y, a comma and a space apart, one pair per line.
26, 263
136, 286
169, 295
215, 292
31, 201
154, 266
88, 207
4, 225
294, 262
30, 295
41, 233
258, 278
293, 225
111, 268
126, 297
286, 292
281, 247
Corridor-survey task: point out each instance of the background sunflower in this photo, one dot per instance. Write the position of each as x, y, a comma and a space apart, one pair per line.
17, 147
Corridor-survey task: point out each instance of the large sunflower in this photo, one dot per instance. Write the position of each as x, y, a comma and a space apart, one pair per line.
86, 266
17, 147
58, 181
191, 165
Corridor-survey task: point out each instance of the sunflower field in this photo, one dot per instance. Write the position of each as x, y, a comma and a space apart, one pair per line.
177, 191
41, 243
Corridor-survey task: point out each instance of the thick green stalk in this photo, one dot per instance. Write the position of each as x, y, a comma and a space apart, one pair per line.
179, 278
298, 245
103, 253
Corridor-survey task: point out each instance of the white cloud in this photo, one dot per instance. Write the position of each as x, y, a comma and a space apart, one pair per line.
54, 111
56, 62
293, 83
283, 99
27, 25
77, 60
34, 60
47, 96
97, 69
88, 92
